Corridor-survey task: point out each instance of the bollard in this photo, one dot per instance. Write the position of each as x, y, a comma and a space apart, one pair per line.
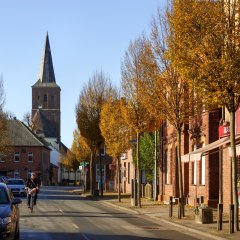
183, 206
219, 220
170, 206
231, 218
179, 208
134, 192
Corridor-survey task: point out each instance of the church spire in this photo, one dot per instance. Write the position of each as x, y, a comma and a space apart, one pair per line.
46, 71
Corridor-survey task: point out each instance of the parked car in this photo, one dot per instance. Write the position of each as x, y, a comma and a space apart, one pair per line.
9, 214
3, 179
17, 186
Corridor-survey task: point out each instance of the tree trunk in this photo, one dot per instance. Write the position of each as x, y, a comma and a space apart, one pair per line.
180, 181
119, 178
138, 174
75, 177
234, 169
100, 172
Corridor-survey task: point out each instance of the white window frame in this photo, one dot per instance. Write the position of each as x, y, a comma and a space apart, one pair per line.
16, 154
30, 154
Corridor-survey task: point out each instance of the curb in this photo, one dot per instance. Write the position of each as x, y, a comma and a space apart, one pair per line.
208, 235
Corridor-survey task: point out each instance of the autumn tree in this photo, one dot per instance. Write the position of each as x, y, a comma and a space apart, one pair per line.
164, 92
205, 48
135, 113
80, 147
5, 148
115, 132
91, 99
81, 150
64, 164
4, 141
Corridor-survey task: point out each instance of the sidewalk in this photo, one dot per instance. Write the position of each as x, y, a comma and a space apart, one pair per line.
160, 212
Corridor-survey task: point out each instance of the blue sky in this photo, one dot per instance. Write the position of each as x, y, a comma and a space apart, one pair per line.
85, 36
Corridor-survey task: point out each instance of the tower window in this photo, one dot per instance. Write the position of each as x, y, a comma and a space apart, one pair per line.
45, 98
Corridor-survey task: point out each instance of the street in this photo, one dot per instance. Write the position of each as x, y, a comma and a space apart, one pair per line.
59, 214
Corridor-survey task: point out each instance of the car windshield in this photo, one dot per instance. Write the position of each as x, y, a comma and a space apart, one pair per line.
3, 196
15, 182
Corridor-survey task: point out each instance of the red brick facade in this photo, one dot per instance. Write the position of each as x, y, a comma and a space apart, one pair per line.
39, 163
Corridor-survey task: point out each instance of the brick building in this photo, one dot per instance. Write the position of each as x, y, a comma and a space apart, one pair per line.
29, 153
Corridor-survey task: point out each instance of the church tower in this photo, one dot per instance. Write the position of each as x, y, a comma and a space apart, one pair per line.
46, 113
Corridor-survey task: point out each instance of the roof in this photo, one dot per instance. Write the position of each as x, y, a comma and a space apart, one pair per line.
46, 76
20, 135
43, 124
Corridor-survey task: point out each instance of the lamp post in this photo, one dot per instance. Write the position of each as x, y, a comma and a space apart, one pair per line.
155, 166
100, 169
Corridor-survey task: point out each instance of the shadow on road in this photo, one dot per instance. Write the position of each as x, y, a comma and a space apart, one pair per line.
84, 236
58, 214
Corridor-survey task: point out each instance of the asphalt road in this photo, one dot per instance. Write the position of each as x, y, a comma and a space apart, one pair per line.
62, 215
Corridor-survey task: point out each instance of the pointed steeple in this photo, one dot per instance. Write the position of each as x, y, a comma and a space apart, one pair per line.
46, 71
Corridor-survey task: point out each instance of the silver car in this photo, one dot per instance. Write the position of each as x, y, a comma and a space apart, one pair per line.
17, 186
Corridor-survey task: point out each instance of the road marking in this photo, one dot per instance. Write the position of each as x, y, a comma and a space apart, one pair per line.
61, 211
85, 237
75, 226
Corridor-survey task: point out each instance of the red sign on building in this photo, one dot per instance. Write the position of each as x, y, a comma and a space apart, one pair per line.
224, 131
238, 121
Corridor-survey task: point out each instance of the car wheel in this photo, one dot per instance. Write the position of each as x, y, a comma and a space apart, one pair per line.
17, 234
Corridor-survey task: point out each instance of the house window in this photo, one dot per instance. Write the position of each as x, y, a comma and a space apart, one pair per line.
30, 156
16, 156
2, 157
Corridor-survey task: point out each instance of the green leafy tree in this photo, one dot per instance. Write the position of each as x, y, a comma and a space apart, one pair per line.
147, 149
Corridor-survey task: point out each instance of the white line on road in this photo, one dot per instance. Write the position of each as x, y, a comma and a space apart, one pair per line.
75, 226
85, 237
61, 211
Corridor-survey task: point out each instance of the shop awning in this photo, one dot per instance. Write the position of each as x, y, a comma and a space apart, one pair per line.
196, 155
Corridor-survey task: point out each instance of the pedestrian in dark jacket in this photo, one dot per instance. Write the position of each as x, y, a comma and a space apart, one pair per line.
32, 183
